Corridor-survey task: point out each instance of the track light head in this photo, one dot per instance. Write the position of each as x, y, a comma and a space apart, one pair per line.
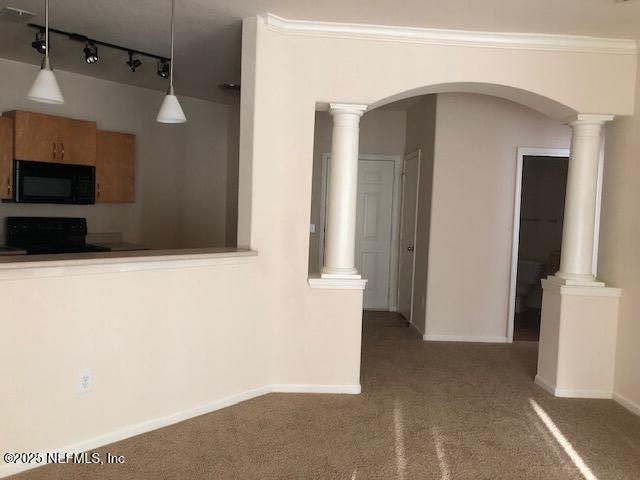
133, 63
40, 43
164, 68
90, 53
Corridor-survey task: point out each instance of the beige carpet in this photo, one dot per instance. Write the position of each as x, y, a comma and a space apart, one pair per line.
428, 411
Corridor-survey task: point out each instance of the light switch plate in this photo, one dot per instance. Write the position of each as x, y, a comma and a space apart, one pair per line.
312, 228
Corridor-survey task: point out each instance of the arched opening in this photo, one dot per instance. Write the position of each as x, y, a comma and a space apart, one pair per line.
453, 273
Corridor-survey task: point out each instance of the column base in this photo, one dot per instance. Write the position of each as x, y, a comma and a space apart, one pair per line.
340, 273
576, 353
577, 279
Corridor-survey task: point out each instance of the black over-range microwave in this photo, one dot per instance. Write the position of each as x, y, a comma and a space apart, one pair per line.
40, 182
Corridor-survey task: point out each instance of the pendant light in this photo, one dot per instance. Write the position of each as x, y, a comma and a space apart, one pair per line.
170, 110
45, 88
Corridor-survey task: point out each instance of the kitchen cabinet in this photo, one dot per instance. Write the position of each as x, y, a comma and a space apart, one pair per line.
6, 158
47, 138
115, 167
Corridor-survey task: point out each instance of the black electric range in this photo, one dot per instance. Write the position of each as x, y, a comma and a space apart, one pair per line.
49, 235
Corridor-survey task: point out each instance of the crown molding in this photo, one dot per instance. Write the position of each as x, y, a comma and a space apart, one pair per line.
465, 38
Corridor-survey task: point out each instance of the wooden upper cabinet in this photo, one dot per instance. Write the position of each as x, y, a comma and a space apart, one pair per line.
47, 138
115, 167
6, 158
77, 141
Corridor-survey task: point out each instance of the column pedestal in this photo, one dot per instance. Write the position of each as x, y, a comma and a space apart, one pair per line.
576, 355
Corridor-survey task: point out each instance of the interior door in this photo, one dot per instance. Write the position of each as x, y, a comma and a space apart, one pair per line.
373, 230
410, 174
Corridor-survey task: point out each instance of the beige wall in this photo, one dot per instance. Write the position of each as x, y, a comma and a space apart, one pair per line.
158, 342
164, 340
180, 169
421, 129
476, 141
382, 132
619, 255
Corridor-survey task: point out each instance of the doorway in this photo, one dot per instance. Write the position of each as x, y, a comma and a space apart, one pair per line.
540, 207
408, 228
377, 226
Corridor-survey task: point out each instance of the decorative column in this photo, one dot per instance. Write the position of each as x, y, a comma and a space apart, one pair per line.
340, 236
576, 263
576, 353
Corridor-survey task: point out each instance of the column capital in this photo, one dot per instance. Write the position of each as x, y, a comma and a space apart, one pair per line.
352, 108
588, 119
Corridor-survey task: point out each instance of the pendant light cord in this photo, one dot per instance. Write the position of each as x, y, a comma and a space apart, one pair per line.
173, 14
46, 27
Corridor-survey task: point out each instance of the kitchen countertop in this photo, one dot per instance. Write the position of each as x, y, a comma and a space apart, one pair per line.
6, 251
13, 267
121, 246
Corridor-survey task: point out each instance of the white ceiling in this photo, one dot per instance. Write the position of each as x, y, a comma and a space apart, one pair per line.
208, 32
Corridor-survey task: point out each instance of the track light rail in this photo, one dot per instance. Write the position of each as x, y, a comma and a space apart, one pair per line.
83, 38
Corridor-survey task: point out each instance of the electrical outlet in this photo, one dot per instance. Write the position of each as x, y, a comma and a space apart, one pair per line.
312, 228
85, 380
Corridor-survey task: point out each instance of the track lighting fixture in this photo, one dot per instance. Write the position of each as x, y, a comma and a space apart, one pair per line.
90, 53
133, 63
39, 43
90, 49
164, 68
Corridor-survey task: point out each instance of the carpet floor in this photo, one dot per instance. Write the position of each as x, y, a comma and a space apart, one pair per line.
428, 410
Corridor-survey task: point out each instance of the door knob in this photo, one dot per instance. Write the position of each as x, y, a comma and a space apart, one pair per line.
410, 248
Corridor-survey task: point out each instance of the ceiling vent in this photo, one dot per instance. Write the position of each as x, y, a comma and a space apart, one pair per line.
17, 15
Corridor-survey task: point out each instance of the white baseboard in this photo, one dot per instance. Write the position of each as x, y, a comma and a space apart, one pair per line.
630, 405
546, 385
583, 393
304, 388
459, 338
156, 423
572, 392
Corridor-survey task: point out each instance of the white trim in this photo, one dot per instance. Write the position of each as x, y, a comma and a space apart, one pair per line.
582, 393
337, 283
572, 392
160, 422
522, 152
630, 405
415, 154
561, 286
446, 37
306, 388
395, 221
65, 265
463, 338
544, 384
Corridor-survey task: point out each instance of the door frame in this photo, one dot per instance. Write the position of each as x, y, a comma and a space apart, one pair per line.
395, 218
415, 154
541, 152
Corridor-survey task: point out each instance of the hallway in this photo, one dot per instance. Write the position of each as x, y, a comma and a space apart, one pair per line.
428, 411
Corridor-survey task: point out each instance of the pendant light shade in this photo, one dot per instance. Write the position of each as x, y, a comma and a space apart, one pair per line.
45, 89
170, 110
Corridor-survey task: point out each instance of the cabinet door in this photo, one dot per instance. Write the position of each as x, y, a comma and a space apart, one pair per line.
6, 158
77, 141
36, 136
115, 167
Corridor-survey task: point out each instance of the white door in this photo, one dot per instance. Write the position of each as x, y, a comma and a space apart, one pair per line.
406, 268
373, 230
